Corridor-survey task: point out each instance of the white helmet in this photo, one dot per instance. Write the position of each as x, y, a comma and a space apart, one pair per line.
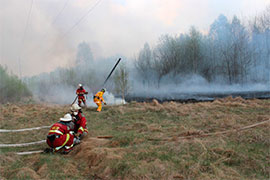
79, 85
75, 107
66, 118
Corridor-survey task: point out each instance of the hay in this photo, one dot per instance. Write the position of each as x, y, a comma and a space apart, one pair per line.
8, 159
43, 170
26, 172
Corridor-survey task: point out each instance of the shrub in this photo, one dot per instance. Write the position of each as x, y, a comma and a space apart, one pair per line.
11, 87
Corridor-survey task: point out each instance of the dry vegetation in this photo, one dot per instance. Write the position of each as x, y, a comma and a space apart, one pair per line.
150, 141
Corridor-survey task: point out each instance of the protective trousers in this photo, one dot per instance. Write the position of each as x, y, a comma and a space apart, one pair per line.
99, 104
63, 141
80, 100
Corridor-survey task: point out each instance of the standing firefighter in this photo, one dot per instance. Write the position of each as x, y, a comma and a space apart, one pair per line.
80, 93
60, 136
79, 121
98, 99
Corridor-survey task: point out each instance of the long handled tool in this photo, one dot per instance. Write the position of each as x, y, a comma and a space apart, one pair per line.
106, 78
111, 71
74, 100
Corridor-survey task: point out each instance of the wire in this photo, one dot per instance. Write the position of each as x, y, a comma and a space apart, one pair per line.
24, 34
60, 12
82, 18
57, 16
77, 23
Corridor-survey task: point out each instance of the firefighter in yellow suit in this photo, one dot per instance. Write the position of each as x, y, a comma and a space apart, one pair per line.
98, 99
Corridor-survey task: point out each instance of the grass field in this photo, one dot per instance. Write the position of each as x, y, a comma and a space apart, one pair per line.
149, 141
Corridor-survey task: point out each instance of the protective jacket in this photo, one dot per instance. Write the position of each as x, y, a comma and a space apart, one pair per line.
80, 123
81, 92
99, 96
98, 99
60, 137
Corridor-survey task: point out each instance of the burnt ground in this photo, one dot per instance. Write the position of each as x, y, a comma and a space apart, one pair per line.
198, 96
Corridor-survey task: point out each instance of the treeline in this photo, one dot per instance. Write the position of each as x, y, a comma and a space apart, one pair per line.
12, 89
60, 84
230, 52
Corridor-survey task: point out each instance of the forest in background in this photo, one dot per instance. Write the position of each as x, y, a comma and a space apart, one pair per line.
233, 52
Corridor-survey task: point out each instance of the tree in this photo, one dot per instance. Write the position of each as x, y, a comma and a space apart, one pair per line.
11, 87
144, 63
260, 29
121, 81
231, 49
218, 40
237, 53
193, 53
167, 57
84, 56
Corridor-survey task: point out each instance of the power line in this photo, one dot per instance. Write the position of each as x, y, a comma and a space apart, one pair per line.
23, 39
57, 16
60, 12
78, 22
82, 18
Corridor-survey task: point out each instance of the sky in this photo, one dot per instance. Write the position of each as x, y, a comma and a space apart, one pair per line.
40, 35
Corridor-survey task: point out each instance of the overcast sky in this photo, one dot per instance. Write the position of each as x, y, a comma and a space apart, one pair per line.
40, 35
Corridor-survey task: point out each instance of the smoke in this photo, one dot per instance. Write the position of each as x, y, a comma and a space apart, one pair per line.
193, 84
112, 100
111, 27
60, 85
57, 94
30, 43
66, 94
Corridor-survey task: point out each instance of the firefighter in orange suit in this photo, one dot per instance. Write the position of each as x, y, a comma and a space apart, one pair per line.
79, 120
60, 137
98, 99
80, 93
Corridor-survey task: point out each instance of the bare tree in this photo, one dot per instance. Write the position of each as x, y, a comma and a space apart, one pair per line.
194, 54
121, 82
237, 54
84, 56
168, 57
144, 63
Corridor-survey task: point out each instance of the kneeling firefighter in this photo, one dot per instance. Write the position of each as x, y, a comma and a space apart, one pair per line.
79, 120
60, 136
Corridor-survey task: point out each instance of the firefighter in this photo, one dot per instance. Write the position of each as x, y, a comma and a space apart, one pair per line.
80, 123
80, 93
98, 99
60, 138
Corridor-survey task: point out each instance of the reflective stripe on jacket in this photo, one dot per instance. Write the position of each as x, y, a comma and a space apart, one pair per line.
59, 147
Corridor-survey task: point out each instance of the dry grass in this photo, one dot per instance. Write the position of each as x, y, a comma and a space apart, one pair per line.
147, 142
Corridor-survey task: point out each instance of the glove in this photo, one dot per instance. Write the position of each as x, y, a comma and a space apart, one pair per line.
71, 126
105, 103
76, 141
86, 93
